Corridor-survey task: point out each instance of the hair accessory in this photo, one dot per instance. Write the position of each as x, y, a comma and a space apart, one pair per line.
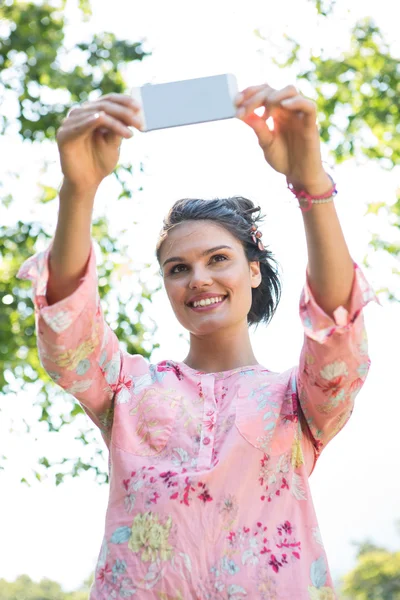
303, 196
255, 236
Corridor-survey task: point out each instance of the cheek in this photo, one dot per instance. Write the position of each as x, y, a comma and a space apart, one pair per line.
174, 292
245, 290
242, 282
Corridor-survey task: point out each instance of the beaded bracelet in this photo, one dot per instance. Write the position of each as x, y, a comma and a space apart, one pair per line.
302, 195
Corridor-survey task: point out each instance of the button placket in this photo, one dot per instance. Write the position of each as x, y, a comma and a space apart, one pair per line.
208, 430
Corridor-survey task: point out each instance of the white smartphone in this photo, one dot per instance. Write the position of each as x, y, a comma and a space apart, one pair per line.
187, 102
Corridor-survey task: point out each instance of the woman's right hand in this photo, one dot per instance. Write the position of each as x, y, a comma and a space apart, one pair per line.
90, 137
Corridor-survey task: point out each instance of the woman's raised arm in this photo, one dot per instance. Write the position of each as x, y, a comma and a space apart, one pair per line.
89, 141
76, 346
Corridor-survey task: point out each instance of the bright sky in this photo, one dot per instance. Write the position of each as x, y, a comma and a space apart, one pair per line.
354, 487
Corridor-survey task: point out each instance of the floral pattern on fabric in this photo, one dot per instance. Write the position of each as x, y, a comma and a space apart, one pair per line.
209, 494
328, 378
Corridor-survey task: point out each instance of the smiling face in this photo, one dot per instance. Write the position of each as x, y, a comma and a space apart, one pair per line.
207, 277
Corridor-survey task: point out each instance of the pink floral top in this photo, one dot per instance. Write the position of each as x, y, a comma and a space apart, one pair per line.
209, 496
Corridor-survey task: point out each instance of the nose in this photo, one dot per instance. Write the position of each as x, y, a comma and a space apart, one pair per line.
200, 277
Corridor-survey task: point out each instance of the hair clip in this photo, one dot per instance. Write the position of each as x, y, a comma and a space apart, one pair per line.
255, 236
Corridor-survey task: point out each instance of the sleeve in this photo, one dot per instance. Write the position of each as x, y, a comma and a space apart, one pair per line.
334, 361
76, 347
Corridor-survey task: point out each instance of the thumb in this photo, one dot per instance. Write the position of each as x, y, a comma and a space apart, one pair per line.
260, 128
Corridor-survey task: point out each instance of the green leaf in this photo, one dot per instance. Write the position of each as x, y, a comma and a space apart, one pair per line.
374, 207
49, 193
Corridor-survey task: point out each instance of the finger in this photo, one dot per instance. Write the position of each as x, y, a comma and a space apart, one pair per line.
107, 137
260, 128
102, 120
267, 96
125, 114
132, 119
123, 99
247, 93
301, 104
73, 111
74, 128
118, 99
276, 96
256, 101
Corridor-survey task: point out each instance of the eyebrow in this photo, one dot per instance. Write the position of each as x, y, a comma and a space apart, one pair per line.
205, 253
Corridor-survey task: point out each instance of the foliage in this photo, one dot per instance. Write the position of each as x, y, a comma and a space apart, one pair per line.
40, 78
23, 588
358, 97
358, 100
375, 577
34, 63
324, 7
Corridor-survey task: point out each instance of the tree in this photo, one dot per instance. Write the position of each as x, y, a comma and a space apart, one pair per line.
40, 81
23, 588
376, 575
364, 90
358, 98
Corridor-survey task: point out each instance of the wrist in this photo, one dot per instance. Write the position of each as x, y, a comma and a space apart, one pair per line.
315, 187
72, 192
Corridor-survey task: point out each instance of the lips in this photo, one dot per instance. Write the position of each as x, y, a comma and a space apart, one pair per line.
209, 303
205, 300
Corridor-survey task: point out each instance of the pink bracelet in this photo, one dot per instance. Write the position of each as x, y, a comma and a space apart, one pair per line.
302, 195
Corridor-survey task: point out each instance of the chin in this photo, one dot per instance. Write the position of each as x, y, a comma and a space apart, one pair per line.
211, 323
209, 326
207, 329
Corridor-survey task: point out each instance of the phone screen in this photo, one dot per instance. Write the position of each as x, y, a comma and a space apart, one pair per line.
187, 102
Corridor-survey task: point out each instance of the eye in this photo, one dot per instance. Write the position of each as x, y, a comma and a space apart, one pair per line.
181, 268
177, 269
219, 258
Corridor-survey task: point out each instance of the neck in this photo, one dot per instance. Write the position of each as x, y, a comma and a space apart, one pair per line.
221, 351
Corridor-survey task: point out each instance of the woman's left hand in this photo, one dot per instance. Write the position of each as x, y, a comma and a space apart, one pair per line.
293, 146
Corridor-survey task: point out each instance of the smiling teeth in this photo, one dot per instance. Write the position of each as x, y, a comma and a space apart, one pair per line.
208, 301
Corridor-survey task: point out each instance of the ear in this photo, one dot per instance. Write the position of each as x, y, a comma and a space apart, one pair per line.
255, 274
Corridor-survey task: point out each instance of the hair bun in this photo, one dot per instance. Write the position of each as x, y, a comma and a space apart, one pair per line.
245, 208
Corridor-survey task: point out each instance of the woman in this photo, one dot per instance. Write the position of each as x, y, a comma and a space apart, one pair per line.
209, 457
